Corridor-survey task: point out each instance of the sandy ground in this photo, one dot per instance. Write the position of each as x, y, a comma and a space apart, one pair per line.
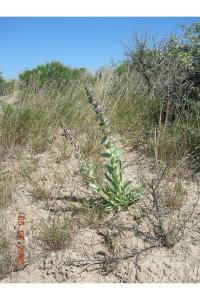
60, 179
49, 185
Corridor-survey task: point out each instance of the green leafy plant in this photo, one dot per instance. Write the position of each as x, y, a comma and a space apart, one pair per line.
115, 192
53, 72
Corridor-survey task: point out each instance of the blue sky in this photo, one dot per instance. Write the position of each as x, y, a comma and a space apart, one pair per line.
75, 41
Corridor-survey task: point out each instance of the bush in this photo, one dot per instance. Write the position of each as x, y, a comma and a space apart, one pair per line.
54, 72
166, 208
168, 68
6, 86
2, 83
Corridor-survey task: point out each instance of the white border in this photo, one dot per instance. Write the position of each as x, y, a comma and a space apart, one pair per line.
99, 291
100, 8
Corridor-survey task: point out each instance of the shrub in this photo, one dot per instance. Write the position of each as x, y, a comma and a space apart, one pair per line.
53, 72
166, 208
6, 86
168, 68
2, 85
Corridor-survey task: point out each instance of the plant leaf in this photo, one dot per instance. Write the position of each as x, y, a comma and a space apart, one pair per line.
94, 186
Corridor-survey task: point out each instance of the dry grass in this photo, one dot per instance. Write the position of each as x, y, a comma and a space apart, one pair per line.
56, 234
167, 209
6, 189
33, 125
6, 245
174, 196
5, 258
34, 121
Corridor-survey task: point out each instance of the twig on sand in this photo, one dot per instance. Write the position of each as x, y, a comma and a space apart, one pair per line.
107, 259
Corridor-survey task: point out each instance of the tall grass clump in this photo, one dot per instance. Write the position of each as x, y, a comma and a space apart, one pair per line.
6, 189
56, 235
34, 120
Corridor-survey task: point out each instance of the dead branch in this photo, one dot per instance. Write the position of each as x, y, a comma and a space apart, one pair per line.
106, 259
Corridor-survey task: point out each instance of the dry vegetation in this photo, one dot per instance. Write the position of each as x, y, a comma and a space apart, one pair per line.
103, 212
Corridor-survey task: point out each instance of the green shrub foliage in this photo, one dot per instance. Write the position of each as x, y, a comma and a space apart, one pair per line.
53, 72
